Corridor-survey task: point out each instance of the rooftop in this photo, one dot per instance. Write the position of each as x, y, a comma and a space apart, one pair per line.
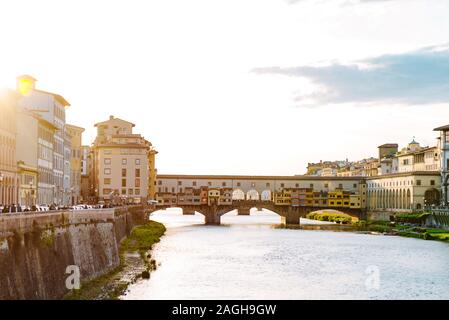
443, 128
113, 118
389, 145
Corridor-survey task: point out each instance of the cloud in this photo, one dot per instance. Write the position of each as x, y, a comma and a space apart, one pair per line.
418, 77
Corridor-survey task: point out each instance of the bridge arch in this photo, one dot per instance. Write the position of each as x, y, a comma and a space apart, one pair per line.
238, 194
266, 195
252, 195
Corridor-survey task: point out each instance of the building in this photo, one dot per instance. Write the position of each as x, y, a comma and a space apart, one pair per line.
152, 174
443, 144
51, 108
46, 188
76, 162
121, 164
339, 198
27, 156
371, 167
388, 150
8, 162
406, 191
417, 158
87, 195
67, 171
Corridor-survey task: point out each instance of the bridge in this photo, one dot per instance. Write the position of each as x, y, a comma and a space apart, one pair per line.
291, 197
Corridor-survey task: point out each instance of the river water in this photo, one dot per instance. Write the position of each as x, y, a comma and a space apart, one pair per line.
249, 258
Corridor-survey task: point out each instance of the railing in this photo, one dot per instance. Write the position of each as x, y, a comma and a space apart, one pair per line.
28, 213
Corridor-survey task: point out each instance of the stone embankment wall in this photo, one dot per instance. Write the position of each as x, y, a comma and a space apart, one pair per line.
36, 249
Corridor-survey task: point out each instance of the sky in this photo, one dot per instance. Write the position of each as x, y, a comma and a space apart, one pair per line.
257, 87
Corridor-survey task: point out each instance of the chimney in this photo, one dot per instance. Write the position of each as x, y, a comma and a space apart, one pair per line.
111, 117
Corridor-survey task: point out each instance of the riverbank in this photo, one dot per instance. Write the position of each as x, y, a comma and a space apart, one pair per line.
135, 263
404, 230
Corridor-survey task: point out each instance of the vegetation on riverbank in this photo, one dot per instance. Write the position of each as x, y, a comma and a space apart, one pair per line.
114, 284
404, 224
408, 230
330, 216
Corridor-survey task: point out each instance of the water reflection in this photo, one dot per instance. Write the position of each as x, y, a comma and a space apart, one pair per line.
250, 258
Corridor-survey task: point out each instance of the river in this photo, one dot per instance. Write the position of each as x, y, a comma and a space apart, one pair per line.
249, 258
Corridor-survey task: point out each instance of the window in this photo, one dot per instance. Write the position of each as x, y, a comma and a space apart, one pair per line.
137, 183
107, 160
267, 184
179, 183
159, 182
432, 182
123, 182
123, 191
224, 184
137, 173
311, 185
340, 185
209, 183
326, 185
124, 161
239, 184
194, 183
297, 185
106, 191
107, 171
131, 191
107, 180
418, 182
137, 192
123, 172
282, 185
107, 151
354, 185
137, 162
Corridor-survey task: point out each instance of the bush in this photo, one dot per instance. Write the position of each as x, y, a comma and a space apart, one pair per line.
342, 218
414, 218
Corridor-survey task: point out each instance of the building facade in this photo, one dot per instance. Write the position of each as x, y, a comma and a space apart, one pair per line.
27, 155
51, 107
8, 162
76, 162
406, 191
443, 144
121, 163
46, 188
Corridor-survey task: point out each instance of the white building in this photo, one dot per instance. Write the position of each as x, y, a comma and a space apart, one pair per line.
50, 107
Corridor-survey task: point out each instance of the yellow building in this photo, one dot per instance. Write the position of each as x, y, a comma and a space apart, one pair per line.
339, 198
283, 197
75, 134
152, 174
355, 201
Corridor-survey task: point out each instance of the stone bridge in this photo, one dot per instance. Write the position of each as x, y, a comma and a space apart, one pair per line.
290, 214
